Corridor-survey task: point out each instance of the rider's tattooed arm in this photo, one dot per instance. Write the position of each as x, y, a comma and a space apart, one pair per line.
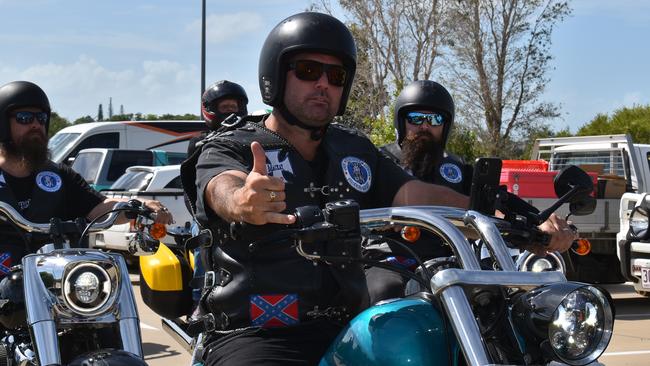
219, 194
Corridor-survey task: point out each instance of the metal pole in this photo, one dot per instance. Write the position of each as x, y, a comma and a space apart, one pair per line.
202, 53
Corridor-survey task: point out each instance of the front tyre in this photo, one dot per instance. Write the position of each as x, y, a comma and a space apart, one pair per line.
108, 358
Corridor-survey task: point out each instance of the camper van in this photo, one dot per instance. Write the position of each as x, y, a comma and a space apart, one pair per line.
171, 136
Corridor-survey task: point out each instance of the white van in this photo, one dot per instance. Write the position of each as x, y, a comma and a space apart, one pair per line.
171, 136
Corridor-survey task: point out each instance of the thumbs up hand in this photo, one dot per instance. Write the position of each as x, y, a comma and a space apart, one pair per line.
262, 198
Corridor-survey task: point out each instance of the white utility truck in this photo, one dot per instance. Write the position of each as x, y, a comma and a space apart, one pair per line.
622, 166
634, 241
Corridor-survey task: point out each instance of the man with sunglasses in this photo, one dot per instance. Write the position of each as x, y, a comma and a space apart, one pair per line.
265, 303
423, 118
35, 186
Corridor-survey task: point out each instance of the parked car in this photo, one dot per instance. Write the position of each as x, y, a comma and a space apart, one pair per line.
162, 183
102, 167
170, 136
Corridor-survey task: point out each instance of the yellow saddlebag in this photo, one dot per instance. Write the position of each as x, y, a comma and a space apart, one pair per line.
165, 282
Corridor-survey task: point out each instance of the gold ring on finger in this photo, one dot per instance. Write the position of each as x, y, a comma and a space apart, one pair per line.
272, 195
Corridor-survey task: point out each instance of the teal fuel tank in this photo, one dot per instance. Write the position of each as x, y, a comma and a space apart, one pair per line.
408, 331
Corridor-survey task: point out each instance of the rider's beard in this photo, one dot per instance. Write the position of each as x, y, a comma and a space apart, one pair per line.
422, 153
30, 150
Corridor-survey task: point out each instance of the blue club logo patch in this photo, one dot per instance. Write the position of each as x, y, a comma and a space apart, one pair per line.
278, 164
48, 181
451, 173
357, 173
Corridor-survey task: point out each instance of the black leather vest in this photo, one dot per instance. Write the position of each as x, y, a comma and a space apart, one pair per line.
47, 201
275, 268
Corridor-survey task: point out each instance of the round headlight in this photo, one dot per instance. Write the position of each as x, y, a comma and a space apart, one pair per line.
87, 288
581, 325
639, 223
529, 262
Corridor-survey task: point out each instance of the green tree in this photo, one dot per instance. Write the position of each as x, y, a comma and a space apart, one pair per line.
634, 120
500, 55
381, 132
84, 119
100, 113
57, 123
525, 145
462, 142
179, 117
121, 117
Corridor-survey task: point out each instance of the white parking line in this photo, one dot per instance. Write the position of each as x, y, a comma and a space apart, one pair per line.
146, 326
623, 316
606, 354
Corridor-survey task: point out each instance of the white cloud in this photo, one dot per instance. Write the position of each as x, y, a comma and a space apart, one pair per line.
227, 27
629, 11
111, 40
76, 89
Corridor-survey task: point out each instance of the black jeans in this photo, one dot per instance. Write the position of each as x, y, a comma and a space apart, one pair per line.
302, 344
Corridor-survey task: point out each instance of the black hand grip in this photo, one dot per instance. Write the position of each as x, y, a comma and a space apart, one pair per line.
136, 208
249, 232
540, 237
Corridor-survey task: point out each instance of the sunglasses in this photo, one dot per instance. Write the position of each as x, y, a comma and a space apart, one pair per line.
418, 118
312, 70
26, 117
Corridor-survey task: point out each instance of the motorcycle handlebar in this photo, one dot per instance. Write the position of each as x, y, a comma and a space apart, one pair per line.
7, 212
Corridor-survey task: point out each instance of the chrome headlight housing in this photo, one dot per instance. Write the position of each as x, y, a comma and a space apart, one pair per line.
571, 322
639, 224
530, 262
88, 288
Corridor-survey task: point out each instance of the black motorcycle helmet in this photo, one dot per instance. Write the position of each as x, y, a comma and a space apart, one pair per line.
427, 95
303, 32
20, 94
217, 91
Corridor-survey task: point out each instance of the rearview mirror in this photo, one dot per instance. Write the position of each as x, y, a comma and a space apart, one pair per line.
573, 178
583, 207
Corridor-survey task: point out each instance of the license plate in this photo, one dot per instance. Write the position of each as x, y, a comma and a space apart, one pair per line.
645, 277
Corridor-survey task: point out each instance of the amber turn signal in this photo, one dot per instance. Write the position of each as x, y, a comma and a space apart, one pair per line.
411, 233
158, 231
583, 247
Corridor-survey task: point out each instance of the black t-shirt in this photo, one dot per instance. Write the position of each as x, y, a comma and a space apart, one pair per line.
222, 156
55, 191
80, 198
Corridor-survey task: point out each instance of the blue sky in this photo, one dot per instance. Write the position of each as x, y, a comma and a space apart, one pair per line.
145, 54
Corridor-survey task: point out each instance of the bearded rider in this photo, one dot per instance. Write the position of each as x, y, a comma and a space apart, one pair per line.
30, 182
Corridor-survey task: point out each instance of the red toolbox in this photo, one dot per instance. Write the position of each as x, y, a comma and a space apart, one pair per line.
534, 184
536, 165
